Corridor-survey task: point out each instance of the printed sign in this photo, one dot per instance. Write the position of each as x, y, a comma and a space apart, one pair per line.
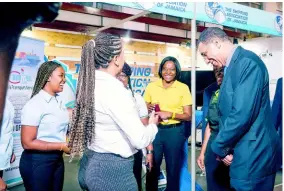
28, 57
228, 14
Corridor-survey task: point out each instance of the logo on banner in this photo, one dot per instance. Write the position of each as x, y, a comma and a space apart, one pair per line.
19, 77
215, 11
278, 23
145, 5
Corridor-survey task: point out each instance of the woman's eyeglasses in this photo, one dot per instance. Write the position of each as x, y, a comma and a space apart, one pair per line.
122, 76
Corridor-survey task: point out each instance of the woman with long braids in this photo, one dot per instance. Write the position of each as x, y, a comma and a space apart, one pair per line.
105, 124
43, 134
141, 107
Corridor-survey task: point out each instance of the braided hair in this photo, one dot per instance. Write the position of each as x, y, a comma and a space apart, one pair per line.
97, 53
44, 72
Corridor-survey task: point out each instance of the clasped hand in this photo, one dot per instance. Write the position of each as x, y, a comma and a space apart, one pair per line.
227, 160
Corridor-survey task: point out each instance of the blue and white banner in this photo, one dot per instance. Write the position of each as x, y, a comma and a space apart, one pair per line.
140, 78
29, 56
240, 17
227, 14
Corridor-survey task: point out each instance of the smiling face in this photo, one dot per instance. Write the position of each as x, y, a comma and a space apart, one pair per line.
212, 53
57, 80
169, 71
219, 75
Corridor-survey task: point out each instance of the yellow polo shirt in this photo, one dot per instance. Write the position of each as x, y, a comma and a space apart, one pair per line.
171, 99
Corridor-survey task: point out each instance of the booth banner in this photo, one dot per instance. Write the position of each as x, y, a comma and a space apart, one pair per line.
228, 14
239, 16
141, 77
29, 56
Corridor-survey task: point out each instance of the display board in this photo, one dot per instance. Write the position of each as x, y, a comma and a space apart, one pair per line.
227, 14
29, 56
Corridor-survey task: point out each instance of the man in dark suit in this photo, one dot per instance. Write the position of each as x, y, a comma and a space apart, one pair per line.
247, 139
277, 113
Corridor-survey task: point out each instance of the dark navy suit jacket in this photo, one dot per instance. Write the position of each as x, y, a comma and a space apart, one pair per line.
246, 125
277, 107
277, 113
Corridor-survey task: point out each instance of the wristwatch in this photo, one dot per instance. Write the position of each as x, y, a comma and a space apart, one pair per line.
149, 152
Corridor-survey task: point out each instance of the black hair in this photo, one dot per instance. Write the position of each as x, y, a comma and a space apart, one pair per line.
212, 33
126, 69
44, 72
176, 63
97, 53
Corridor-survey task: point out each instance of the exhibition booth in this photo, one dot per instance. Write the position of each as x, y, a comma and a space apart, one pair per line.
38, 45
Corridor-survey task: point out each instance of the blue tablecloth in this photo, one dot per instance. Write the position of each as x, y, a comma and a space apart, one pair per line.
198, 117
185, 176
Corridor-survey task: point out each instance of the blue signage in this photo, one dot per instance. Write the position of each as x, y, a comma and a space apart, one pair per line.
227, 14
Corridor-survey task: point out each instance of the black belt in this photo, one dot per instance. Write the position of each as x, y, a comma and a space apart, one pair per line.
169, 126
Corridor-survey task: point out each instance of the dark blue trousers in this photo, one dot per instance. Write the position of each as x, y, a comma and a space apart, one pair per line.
42, 171
168, 142
217, 174
137, 168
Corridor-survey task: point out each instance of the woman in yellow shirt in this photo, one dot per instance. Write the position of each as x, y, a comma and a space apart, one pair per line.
174, 100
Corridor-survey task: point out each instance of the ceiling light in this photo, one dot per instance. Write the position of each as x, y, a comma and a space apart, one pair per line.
126, 39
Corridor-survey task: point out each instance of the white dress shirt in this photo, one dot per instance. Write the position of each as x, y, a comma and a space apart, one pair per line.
49, 115
6, 137
118, 128
140, 104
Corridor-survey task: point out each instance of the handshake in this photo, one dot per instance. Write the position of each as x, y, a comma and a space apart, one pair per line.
162, 115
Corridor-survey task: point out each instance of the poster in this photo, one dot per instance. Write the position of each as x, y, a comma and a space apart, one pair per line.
29, 56
141, 76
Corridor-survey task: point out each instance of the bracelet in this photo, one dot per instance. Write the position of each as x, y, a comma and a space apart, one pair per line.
173, 115
149, 152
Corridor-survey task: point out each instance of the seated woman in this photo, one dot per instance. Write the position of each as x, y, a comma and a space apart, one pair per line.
217, 173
